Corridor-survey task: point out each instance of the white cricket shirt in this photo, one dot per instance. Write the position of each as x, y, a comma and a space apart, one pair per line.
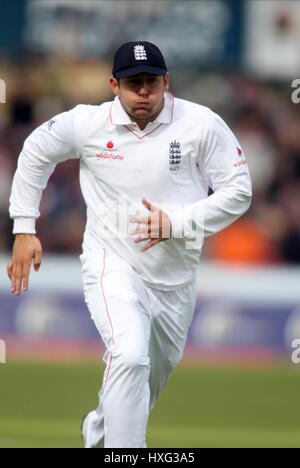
172, 162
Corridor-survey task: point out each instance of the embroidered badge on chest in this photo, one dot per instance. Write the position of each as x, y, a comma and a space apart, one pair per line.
174, 156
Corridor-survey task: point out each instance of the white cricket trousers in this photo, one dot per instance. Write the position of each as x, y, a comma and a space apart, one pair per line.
144, 331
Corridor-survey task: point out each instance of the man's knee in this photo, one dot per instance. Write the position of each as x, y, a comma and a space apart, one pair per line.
134, 358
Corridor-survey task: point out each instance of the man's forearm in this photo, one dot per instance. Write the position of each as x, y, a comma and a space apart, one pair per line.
211, 215
29, 181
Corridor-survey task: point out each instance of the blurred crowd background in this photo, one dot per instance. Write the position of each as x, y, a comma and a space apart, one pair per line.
242, 59
239, 58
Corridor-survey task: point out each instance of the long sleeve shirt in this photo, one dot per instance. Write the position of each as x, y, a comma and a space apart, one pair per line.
172, 162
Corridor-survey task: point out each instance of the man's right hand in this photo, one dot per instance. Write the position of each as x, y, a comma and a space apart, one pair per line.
27, 249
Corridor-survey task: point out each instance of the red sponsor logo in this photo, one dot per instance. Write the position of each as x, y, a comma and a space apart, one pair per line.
109, 145
116, 156
240, 163
239, 151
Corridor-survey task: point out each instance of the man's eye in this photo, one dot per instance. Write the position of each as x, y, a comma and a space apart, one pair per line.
137, 83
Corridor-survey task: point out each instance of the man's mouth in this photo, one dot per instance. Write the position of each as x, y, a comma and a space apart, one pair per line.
142, 105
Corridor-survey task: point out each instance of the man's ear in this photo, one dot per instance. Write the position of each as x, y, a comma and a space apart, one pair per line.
114, 85
167, 81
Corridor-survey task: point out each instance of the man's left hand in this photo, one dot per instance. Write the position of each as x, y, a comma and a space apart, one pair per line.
156, 227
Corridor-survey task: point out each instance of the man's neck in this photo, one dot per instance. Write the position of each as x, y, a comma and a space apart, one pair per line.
142, 124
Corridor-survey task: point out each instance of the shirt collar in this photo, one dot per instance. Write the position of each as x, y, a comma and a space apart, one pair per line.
118, 115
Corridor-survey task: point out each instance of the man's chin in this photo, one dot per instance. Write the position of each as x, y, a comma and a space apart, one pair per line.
142, 114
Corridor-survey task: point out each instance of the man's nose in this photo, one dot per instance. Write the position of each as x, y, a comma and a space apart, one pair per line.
144, 89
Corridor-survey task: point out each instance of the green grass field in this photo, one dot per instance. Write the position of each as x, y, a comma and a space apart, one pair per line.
41, 405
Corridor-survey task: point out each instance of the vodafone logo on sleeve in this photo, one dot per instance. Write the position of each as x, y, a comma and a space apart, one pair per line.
239, 151
239, 162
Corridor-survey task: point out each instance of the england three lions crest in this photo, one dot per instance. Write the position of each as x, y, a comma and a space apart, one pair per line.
174, 156
140, 52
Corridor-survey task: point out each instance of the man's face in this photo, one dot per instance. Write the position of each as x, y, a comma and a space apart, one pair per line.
142, 95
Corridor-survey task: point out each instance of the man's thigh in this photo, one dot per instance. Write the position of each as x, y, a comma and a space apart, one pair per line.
117, 301
171, 317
